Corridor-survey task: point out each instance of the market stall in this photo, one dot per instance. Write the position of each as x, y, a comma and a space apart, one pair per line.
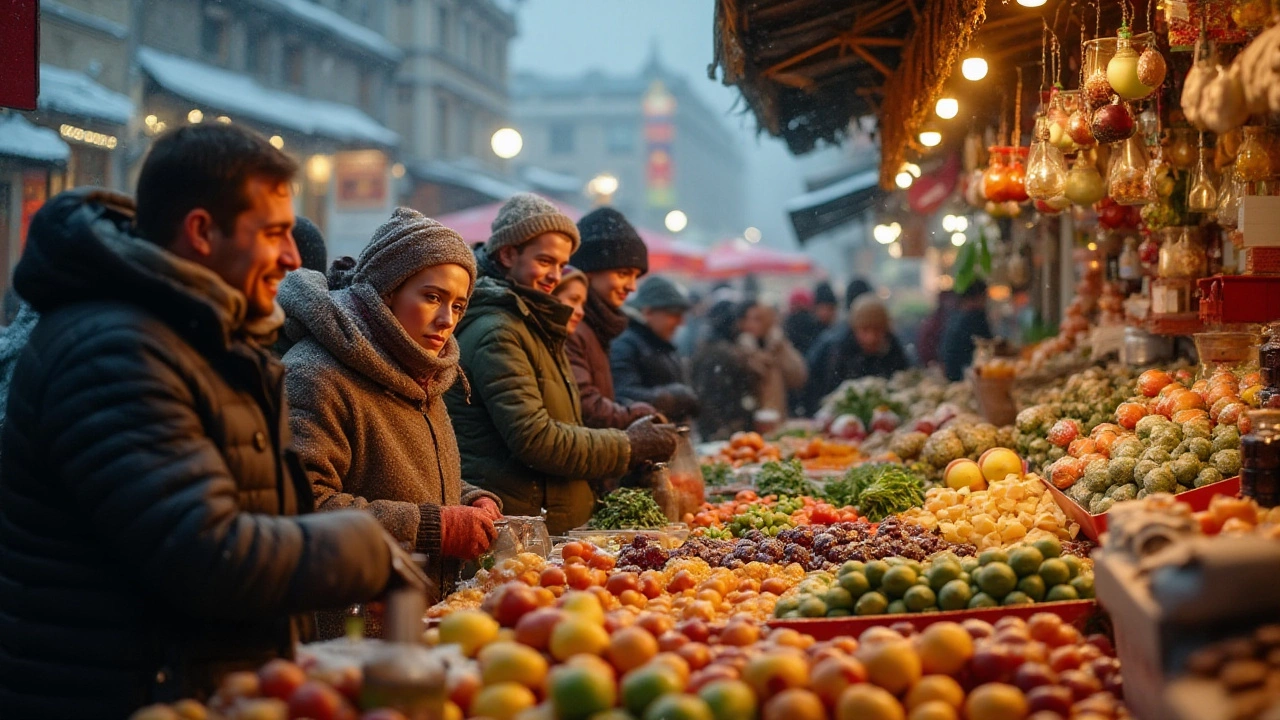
923, 549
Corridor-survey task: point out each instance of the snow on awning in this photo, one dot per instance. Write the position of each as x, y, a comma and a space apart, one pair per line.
445, 173
322, 18
74, 93
818, 211
19, 138
550, 180
238, 94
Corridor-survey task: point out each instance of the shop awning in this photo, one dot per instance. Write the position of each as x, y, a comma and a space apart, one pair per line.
443, 172
307, 12
20, 139
73, 93
837, 204
738, 258
239, 95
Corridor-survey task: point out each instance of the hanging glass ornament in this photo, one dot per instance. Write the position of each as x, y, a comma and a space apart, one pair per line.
1152, 67
1229, 199
1113, 122
1084, 185
1016, 182
1202, 193
1129, 179
996, 175
1046, 175
1122, 69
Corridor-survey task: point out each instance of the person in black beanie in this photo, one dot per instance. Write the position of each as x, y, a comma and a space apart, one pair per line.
311, 245
614, 257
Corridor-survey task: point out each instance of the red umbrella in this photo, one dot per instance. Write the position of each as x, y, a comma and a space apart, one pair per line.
737, 257
666, 254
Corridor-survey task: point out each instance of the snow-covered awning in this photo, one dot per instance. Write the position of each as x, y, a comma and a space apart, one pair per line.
322, 18
818, 211
20, 139
447, 173
238, 94
550, 180
74, 93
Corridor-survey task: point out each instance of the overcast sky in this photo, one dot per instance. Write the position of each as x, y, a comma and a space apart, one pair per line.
569, 37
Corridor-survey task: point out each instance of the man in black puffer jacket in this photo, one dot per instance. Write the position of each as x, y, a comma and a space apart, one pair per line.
146, 543
646, 367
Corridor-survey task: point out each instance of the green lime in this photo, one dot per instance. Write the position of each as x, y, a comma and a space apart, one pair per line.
1054, 572
915, 565
786, 605
851, 566
954, 595
872, 603
989, 556
941, 573
1073, 564
969, 564
875, 571
1083, 585
1048, 547
789, 615
1017, 598
855, 583
897, 607
813, 607
997, 579
966, 577
1033, 587
982, 600
1062, 592
919, 597
840, 612
898, 580
1025, 560
837, 598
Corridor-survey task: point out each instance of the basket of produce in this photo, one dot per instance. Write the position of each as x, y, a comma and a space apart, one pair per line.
1094, 525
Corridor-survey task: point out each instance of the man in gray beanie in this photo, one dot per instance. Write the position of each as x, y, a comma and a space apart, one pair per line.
645, 364
520, 430
614, 257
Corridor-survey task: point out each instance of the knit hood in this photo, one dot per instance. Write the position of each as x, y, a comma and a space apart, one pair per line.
80, 248
342, 322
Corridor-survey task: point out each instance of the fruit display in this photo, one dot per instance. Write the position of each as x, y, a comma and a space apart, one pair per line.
1009, 511
877, 490
748, 511
1169, 438
1226, 515
930, 448
784, 478
1245, 670
745, 448
1089, 398
822, 454
628, 509
1022, 575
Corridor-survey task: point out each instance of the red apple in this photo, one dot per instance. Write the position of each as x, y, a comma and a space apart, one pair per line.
1103, 643
696, 630
280, 678
622, 581
991, 663
535, 628
515, 600
671, 641
1081, 683
1051, 698
317, 701
977, 629
1034, 675
711, 672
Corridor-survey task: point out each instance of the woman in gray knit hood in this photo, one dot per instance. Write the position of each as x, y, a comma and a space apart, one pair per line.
373, 353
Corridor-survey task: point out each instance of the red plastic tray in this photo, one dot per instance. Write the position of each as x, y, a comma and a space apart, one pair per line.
1076, 612
1094, 525
1240, 298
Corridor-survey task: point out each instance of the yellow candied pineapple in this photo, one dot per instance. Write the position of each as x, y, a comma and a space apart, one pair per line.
1008, 512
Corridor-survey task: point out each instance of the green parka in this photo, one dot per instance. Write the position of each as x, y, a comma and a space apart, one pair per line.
520, 430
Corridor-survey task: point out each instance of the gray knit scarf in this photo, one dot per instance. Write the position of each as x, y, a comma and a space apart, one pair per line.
434, 374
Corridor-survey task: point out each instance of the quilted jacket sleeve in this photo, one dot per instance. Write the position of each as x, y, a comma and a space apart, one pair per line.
500, 364
119, 410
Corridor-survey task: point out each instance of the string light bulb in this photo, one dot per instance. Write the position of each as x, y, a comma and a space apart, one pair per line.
973, 68
930, 138
947, 108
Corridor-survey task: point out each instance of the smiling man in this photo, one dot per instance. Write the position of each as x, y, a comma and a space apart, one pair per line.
614, 257
145, 484
520, 428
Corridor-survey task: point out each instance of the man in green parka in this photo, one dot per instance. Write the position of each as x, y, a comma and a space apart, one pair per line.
519, 425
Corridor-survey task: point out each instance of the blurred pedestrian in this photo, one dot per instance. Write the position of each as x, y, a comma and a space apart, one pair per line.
519, 426
929, 337
646, 367
374, 353
613, 257
809, 315
856, 288
724, 379
780, 367
968, 322
153, 533
865, 347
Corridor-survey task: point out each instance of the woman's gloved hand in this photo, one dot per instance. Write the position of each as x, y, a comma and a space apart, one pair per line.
651, 441
466, 532
489, 506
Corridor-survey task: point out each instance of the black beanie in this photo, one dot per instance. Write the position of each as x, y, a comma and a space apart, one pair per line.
823, 294
609, 242
310, 245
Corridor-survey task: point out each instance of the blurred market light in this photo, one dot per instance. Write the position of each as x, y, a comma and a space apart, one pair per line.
886, 234
930, 138
1031, 3
195, 116
277, 142
895, 251
958, 239
904, 180
676, 221
752, 234
507, 143
973, 68
947, 108
603, 186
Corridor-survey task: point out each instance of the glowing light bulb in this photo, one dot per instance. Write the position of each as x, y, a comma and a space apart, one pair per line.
974, 68
930, 138
947, 108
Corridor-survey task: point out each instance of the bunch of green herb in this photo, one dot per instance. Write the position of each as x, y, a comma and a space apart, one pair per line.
717, 474
864, 402
628, 509
783, 478
890, 489
848, 489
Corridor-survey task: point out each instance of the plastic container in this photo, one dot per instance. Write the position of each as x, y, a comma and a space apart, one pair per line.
672, 536
1236, 352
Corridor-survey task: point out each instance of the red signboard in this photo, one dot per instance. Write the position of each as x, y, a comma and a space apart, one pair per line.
19, 53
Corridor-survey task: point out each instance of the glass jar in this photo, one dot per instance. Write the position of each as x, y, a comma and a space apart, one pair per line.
1233, 352
1046, 175
1129, 182
996, 174
1181, 147
1172, 262
1015, 182
1130, 260
1122, 69
1228, 214
1058, 119
1202, 192
1269, 357
1260, 458
1253, 163
1085, 185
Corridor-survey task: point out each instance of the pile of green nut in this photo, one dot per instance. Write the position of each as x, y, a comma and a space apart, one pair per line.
1026, 574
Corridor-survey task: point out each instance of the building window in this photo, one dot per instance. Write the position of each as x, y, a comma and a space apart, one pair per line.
404, 108
620, 138
369, 93
443, 28
442, 127
467, 124
255, 51
561, 139
213, 32
294, 68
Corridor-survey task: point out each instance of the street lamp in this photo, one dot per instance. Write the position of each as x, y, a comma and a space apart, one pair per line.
886, 234
676, 221
752, 234
603, 186
973, 68
507, 143
947, 108
930, 138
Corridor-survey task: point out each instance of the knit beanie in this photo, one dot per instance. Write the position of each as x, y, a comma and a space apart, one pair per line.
609, 242
659, 293
570, 274
823, 294
526, 216
311, 245
402, 246
856, 288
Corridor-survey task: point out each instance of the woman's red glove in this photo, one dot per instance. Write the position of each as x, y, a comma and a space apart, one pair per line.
489, 506
465, 532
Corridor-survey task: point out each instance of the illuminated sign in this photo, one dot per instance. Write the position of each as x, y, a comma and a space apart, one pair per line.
88, 137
